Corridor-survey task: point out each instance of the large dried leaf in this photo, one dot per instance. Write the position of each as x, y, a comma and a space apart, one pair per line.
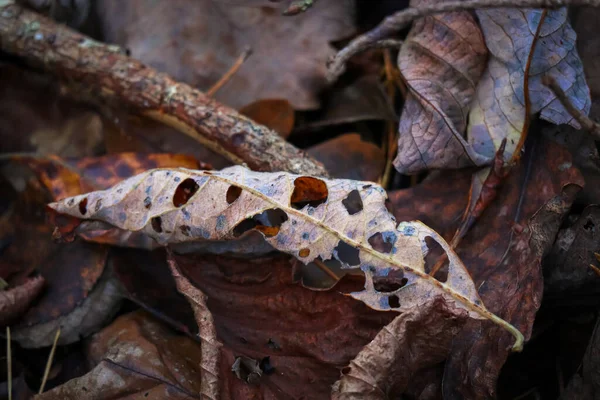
304, 216
136, 357
442, 60
196, 41
412, 342
525, 45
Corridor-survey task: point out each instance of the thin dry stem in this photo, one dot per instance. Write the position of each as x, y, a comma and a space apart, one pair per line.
49, 362
9, 362
230, 73
401, 19
593, 128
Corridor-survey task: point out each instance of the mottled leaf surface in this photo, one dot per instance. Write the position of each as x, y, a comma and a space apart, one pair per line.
525, 45
300, 215
441, 60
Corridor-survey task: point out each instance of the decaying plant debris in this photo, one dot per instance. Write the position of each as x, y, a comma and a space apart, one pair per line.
137, 259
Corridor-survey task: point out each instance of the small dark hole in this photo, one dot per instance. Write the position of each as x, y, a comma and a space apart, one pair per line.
394, 301
83, 206
185, 230
147, 202
347, 254
393, 281
383, 242
156, 224
346, 370
185, 190
436, 259
589, 225
353, 202
268, 222
233, 193
308, 191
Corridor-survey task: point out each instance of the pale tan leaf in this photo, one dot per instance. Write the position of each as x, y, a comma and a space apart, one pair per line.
442, 60
304, 216
525, 45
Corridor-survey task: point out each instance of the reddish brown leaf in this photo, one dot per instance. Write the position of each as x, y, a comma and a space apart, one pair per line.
137, 356
349, 157
277, 114
506, 270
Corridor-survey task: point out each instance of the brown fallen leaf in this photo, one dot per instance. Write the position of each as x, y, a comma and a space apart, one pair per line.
506, 263
309, 336
441, 60
210, 351
414, 341
585, 23
277, 114
69, 177
15, 301
289, 62
349, 157
307, 217
136, 356
491, 253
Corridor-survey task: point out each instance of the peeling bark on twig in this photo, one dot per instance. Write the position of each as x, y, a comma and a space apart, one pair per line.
114, 76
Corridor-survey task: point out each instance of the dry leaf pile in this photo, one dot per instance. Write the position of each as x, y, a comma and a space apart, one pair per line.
413, 213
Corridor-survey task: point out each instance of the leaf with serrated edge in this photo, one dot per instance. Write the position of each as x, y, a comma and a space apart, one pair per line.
525, 45
316, 218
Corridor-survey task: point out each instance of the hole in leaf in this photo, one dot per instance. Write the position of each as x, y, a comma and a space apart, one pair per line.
308, 190
304, 252
83, 206
156, 224
353, 202
347, 254
383, 242
268, 222
589, 225
394, 301
393, 281
233, 193
437, 260
147, 202
265, 365
185, 190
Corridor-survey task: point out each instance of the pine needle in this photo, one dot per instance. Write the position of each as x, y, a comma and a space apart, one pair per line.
49, 363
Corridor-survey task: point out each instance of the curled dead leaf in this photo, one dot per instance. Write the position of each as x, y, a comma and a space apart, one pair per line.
15, 301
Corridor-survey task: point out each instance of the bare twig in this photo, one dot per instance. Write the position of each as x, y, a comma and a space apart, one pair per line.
49, 362
586, 123
230, 73
400, 20
113, 76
